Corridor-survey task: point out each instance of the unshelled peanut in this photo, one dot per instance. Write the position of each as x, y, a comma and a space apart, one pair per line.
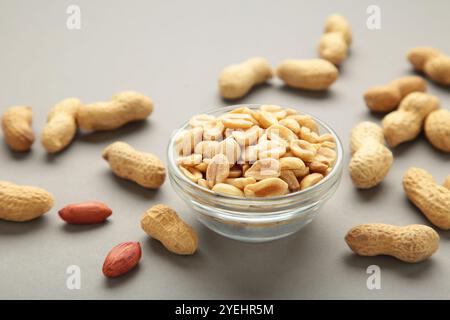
432, 62
17, 130
405, 123
413, 243
61, 125
446, 183
335, 41
432, 199
143, 168
163, 224
236, 80
437, 129
386, 98
314, 74
123, 108
338, 23
23, 203
371, 160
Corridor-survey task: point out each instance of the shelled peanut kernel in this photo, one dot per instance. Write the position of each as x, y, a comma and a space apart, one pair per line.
265, 152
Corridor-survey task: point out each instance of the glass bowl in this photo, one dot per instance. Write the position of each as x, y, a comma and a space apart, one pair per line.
254, 219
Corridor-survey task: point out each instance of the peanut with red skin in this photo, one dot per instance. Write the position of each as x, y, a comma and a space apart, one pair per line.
121, 259
85, 213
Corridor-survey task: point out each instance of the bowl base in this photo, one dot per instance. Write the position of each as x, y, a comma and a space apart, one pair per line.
254, 240
256, 235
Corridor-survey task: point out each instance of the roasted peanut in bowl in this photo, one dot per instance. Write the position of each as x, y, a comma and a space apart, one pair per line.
255, 172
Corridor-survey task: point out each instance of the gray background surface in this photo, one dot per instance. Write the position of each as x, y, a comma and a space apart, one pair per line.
173, 51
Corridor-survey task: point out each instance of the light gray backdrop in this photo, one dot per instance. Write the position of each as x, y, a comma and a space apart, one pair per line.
173, 51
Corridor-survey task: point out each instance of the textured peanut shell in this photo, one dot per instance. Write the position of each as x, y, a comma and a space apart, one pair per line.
432, 62
236, 80
16, 125
420, 55
371, 160
438, 69
400, 127
382, 98
123, 108
61, 125
332, 47
405, 123
143, 168
446, 183
437, 129
432, 199
337, 23
314, 74
387, 97
413, 243
363, 132
409, 84
23, 203
163, 224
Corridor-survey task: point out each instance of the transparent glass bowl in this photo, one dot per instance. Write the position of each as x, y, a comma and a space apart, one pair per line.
255, 219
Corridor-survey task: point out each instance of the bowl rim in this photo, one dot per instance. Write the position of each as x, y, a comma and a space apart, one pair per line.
335, 171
